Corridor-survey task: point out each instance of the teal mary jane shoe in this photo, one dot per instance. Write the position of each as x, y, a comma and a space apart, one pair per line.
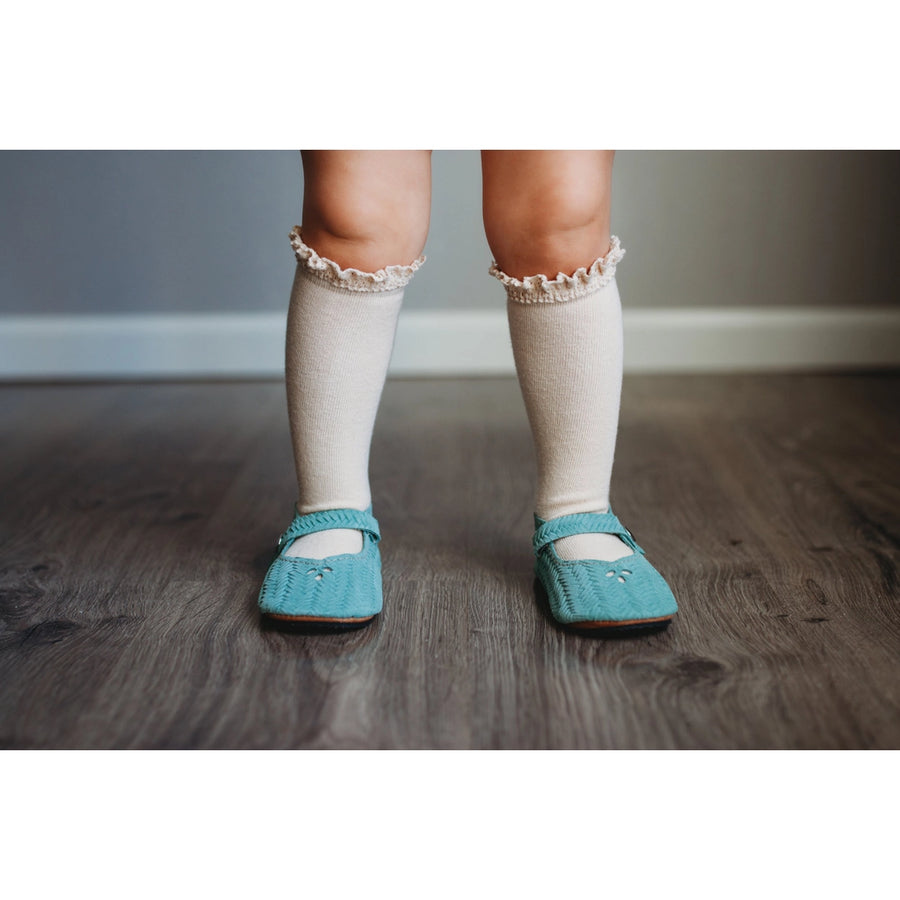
341, 590
623, 595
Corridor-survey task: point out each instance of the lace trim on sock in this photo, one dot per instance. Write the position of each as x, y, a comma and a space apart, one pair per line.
540, 289
388, 279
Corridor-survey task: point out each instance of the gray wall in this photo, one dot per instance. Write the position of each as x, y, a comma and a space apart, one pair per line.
205, 231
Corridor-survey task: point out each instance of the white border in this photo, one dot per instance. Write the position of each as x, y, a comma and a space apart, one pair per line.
437, 343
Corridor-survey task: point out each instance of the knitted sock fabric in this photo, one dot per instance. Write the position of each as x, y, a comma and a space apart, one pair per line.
340, 335
566, 337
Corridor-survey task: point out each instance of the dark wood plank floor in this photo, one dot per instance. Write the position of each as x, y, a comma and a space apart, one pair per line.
137, 522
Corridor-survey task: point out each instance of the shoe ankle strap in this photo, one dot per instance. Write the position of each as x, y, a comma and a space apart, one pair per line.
580, 523
326, 519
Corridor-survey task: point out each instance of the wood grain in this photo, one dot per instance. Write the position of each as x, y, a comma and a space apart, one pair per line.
137, 521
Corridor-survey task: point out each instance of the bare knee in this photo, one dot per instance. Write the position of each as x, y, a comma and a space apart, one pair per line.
366, 209
547, 214
528, 241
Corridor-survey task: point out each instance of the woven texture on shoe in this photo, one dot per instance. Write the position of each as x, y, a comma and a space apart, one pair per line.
580, 523
628, 589
326, 519
344, 586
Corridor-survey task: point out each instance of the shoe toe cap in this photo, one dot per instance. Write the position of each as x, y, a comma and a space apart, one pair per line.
626, 590
346, 586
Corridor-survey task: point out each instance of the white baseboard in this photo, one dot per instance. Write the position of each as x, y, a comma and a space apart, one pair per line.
464, 342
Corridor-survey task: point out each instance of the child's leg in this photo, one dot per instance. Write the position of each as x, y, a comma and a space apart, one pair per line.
546, 213
365, 220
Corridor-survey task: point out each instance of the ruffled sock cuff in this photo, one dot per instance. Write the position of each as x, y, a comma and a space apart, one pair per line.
541, 289
390, 278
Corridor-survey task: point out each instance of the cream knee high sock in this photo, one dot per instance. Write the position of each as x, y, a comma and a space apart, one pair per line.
340, 335
566, 336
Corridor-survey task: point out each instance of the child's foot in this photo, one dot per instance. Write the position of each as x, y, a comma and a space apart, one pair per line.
344, 588
591, 594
